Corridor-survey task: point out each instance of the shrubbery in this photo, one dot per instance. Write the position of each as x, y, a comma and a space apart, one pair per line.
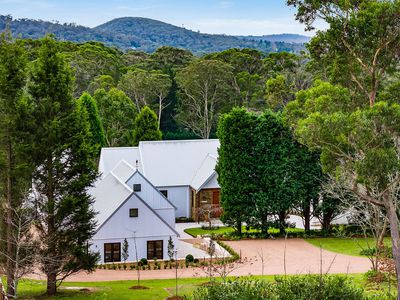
293, 288
189, 258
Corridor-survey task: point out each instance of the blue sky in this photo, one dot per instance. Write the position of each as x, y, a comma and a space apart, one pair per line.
236, 17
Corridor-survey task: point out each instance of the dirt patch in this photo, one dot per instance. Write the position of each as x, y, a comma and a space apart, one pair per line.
174, 298
80, 289
138, 287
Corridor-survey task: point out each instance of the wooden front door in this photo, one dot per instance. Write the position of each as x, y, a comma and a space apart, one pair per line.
215, 198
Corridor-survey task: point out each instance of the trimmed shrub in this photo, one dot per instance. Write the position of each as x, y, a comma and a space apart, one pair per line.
144, 261
189, 258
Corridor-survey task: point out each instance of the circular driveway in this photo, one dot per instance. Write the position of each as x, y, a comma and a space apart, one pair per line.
301, 258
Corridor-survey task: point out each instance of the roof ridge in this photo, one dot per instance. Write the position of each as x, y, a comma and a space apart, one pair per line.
118, 148
121, 182
178, 141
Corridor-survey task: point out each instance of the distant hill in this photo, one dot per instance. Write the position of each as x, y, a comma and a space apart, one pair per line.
148, 35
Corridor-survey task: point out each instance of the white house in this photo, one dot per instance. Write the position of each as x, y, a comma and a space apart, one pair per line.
130, 207
183, 171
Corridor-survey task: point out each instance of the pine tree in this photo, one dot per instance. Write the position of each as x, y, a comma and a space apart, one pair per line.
146, 126
125, 250
14, 166
171, 249
98, 139
63, 168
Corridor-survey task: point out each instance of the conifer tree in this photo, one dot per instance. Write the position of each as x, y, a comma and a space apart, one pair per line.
235, 160
14, 169
146, 126
63, 168
98, 139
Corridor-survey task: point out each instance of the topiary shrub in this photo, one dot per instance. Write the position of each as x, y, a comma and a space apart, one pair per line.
144, 261
189, 258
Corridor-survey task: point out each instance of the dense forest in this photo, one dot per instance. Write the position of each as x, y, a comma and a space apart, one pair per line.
147, 35
187, 93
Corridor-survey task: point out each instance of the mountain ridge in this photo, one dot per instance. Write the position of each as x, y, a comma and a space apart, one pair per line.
148, 34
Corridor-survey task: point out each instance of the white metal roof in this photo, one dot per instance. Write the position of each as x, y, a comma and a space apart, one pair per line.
174, 163
206, 170
110, 158
109, 193
166, 163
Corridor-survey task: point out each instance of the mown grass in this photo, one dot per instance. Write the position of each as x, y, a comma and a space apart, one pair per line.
158, 289
224, 230
349, 246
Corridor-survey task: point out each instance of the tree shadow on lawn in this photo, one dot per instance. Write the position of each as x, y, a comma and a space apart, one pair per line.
139, 287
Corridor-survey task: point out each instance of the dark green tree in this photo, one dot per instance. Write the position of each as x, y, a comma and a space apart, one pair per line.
98, 139
62, 156
287, 173
117, 114
235, 166
15, 171
146, 126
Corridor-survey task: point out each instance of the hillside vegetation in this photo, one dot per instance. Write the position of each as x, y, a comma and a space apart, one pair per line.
148, 35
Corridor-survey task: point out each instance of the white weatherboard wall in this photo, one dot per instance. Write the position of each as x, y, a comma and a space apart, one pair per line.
147, 227
179, 196
153, 198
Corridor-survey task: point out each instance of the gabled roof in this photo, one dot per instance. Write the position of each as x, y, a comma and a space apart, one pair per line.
205, 172
123, 171
111, 193
110, 158
174, 163
166, 163
137, 173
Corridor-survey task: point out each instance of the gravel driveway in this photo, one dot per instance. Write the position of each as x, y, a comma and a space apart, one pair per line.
301, 258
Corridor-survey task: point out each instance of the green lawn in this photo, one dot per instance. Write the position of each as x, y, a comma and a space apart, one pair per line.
225, 230
158, 289
350, 246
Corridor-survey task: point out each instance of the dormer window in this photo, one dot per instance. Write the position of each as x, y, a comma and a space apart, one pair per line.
137, 187
133, 212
